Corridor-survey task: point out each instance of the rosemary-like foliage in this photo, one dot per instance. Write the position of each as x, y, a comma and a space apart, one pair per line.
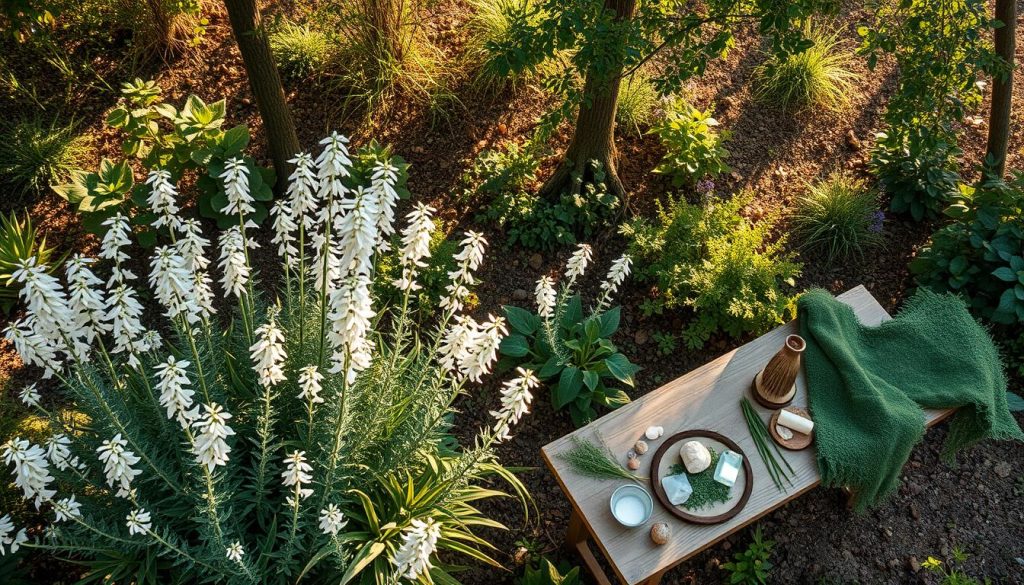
590, 460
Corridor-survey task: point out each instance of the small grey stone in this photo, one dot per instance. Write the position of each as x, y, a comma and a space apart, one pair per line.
536, 261
520, 294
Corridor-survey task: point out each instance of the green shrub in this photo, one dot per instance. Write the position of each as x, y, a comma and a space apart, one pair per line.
298, 439
35, 154
19, 242
817, 77
433, 277
571, 351
637, 101
980, 254
839, 218
491, 23
940, 49
917, 169
711, 259
693, 146
190, 140
532, 221
751, 566
300, 51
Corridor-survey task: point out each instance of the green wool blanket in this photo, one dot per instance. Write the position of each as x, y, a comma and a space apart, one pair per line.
868, 385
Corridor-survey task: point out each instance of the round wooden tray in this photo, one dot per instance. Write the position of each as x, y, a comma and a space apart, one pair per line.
799, 440
659, 491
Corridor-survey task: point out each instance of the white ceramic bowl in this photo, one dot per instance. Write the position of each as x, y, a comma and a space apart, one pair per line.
632, 490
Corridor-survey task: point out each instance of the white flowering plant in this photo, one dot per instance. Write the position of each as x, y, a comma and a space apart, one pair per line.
302, 436
571, 351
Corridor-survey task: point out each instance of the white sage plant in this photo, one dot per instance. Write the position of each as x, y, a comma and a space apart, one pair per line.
240, 436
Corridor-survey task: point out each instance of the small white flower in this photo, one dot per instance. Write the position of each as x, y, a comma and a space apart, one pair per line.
139, 521
192, 245
32, 347
112, 247
383, 182
84, 299
455, 343
173, 284
419, 542
162, 199
309, 384
616, 276
59, 453
415, 245
356, 231
236, 188
66, 509
211, 448
302, 186
469, 259
30, 395
578, 262
296, 475
31, 469
332, 520
233, 262
268, 353
351, 312
235, 552
117, 465
482, 350
546, 297
333, 165
515, 401
175, 394
49, 314
284, 236
6, 530
123, 314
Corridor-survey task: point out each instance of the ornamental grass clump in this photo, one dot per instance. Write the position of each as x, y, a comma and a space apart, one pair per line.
302, 437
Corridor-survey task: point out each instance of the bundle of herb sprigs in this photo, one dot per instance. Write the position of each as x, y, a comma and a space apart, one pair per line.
759, 431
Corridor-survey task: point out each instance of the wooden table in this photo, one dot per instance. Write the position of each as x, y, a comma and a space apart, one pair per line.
706, 398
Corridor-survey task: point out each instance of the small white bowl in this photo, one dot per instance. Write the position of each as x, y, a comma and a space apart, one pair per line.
632, 491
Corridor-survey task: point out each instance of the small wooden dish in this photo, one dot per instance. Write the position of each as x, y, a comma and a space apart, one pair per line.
799, 440
659, 491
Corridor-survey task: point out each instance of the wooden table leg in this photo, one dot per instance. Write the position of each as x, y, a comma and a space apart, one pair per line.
576, 538
577, 532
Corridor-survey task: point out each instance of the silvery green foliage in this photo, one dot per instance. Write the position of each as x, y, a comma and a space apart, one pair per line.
297, 437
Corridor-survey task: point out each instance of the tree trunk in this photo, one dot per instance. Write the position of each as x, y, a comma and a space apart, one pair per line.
1002, 88
594, 133
253, 44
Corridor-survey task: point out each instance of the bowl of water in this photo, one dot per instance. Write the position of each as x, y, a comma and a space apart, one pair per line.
632, 505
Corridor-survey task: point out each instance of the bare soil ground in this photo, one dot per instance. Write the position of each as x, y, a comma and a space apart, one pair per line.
974, 504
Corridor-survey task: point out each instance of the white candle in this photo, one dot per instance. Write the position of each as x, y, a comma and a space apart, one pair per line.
629, 509
796, 422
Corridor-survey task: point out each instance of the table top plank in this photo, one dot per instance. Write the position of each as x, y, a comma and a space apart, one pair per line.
706, 398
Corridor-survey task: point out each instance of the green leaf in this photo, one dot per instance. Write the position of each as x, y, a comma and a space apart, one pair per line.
550, 368
514, 345
621, 368
364, 557
610, 321
521, 320
573, 312
592, 330
569, 384
591, 379
234, 141
1005, 274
